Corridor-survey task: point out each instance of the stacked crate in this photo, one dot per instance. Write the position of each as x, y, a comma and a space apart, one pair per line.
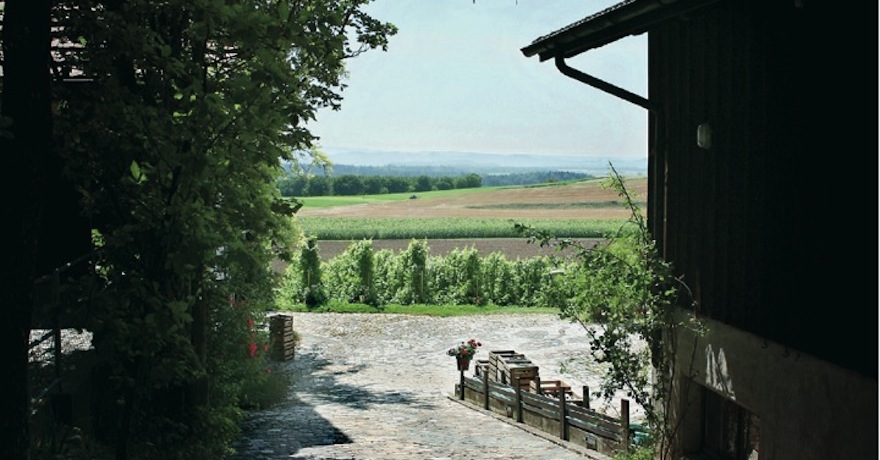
551, 388
511, 368
282, 339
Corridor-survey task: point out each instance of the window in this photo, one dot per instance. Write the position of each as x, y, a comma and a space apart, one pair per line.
730, 432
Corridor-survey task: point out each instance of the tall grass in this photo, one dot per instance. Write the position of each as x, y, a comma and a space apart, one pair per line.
393, 228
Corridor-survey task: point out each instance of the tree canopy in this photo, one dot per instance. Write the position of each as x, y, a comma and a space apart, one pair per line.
173, 134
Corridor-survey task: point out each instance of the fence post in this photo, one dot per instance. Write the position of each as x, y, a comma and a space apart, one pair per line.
486, 390
461, 385
562, 421
624, 422
519, 416
586, 393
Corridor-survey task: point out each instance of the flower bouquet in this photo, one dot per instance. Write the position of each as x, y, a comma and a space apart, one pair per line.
464, 353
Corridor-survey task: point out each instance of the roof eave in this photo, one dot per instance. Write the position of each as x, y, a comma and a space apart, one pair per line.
630, 17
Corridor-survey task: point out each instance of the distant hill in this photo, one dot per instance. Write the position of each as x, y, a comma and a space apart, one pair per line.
490, 163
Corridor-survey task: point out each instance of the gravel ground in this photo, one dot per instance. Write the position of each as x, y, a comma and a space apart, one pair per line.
378, 386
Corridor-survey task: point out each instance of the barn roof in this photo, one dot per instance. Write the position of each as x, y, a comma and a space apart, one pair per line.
629, 17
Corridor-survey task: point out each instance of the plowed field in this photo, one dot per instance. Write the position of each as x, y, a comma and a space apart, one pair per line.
584, 200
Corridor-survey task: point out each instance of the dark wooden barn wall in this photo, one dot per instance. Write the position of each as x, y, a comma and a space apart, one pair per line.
746, 222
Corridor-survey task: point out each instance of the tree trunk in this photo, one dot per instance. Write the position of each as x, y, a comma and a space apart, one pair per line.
26, 103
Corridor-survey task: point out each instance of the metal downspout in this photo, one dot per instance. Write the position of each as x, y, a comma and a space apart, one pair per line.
633, 98
603, 85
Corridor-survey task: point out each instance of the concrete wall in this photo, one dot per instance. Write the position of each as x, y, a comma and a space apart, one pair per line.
808, 408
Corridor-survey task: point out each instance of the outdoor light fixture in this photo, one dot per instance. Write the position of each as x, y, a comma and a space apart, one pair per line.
704, 136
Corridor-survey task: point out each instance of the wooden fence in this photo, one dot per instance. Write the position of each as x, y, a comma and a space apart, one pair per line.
549, 407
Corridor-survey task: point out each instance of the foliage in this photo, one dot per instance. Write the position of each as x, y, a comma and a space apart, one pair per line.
301, 184
498, 279
414, 276
352, 274
376, 228
625, 295
389, 278
639, 453
465, 350
175, 148
491, 175
458, 280
268, 389
412, 270
436, 310
310, 274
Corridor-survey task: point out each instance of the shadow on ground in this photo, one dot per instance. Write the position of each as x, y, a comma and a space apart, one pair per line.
283, 430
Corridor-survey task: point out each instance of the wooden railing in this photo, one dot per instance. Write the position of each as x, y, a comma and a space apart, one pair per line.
508, 384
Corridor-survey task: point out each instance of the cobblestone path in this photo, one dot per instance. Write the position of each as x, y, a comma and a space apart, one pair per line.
378, 387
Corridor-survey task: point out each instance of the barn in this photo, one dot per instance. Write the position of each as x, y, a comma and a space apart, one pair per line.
762, 194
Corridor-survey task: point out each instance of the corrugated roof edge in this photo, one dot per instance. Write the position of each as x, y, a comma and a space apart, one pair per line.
583, 21
630, 17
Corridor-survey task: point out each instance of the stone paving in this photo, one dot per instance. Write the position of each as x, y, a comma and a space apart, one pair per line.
380, 387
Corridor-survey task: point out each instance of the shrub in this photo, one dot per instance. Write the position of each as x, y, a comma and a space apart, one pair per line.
352, 274
310, 270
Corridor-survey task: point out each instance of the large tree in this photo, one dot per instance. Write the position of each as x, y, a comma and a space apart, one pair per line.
174, 137
25, 148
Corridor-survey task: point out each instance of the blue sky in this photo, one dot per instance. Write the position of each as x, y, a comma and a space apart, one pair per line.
454, 79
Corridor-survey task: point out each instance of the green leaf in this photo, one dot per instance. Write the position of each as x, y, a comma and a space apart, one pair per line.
135, 170
283, 10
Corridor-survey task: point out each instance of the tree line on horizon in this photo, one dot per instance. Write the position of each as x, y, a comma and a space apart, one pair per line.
295, 185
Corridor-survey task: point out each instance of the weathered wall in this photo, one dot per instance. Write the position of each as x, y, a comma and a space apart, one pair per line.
808, 408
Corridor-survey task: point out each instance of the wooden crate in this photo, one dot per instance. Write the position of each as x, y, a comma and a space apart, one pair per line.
282, 339
496, 367
520, 374
551, 388
511, 368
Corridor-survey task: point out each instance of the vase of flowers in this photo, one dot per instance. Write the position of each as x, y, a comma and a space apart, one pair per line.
464, 353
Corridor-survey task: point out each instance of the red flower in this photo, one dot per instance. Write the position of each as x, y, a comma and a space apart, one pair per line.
252, 349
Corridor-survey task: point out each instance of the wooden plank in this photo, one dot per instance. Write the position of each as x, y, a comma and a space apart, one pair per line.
520, 373
550, 386
540, 411
589, 413
496, 353
598, 430
540, 401
595, 425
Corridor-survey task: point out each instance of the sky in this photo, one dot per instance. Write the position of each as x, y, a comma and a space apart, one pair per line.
454, 79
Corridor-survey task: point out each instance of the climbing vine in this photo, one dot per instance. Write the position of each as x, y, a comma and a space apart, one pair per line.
629, 302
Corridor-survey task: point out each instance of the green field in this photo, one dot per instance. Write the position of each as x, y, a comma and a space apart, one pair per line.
578, 209
356, 228
333, 201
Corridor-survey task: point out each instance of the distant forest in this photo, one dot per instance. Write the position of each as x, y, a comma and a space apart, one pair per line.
348, 180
